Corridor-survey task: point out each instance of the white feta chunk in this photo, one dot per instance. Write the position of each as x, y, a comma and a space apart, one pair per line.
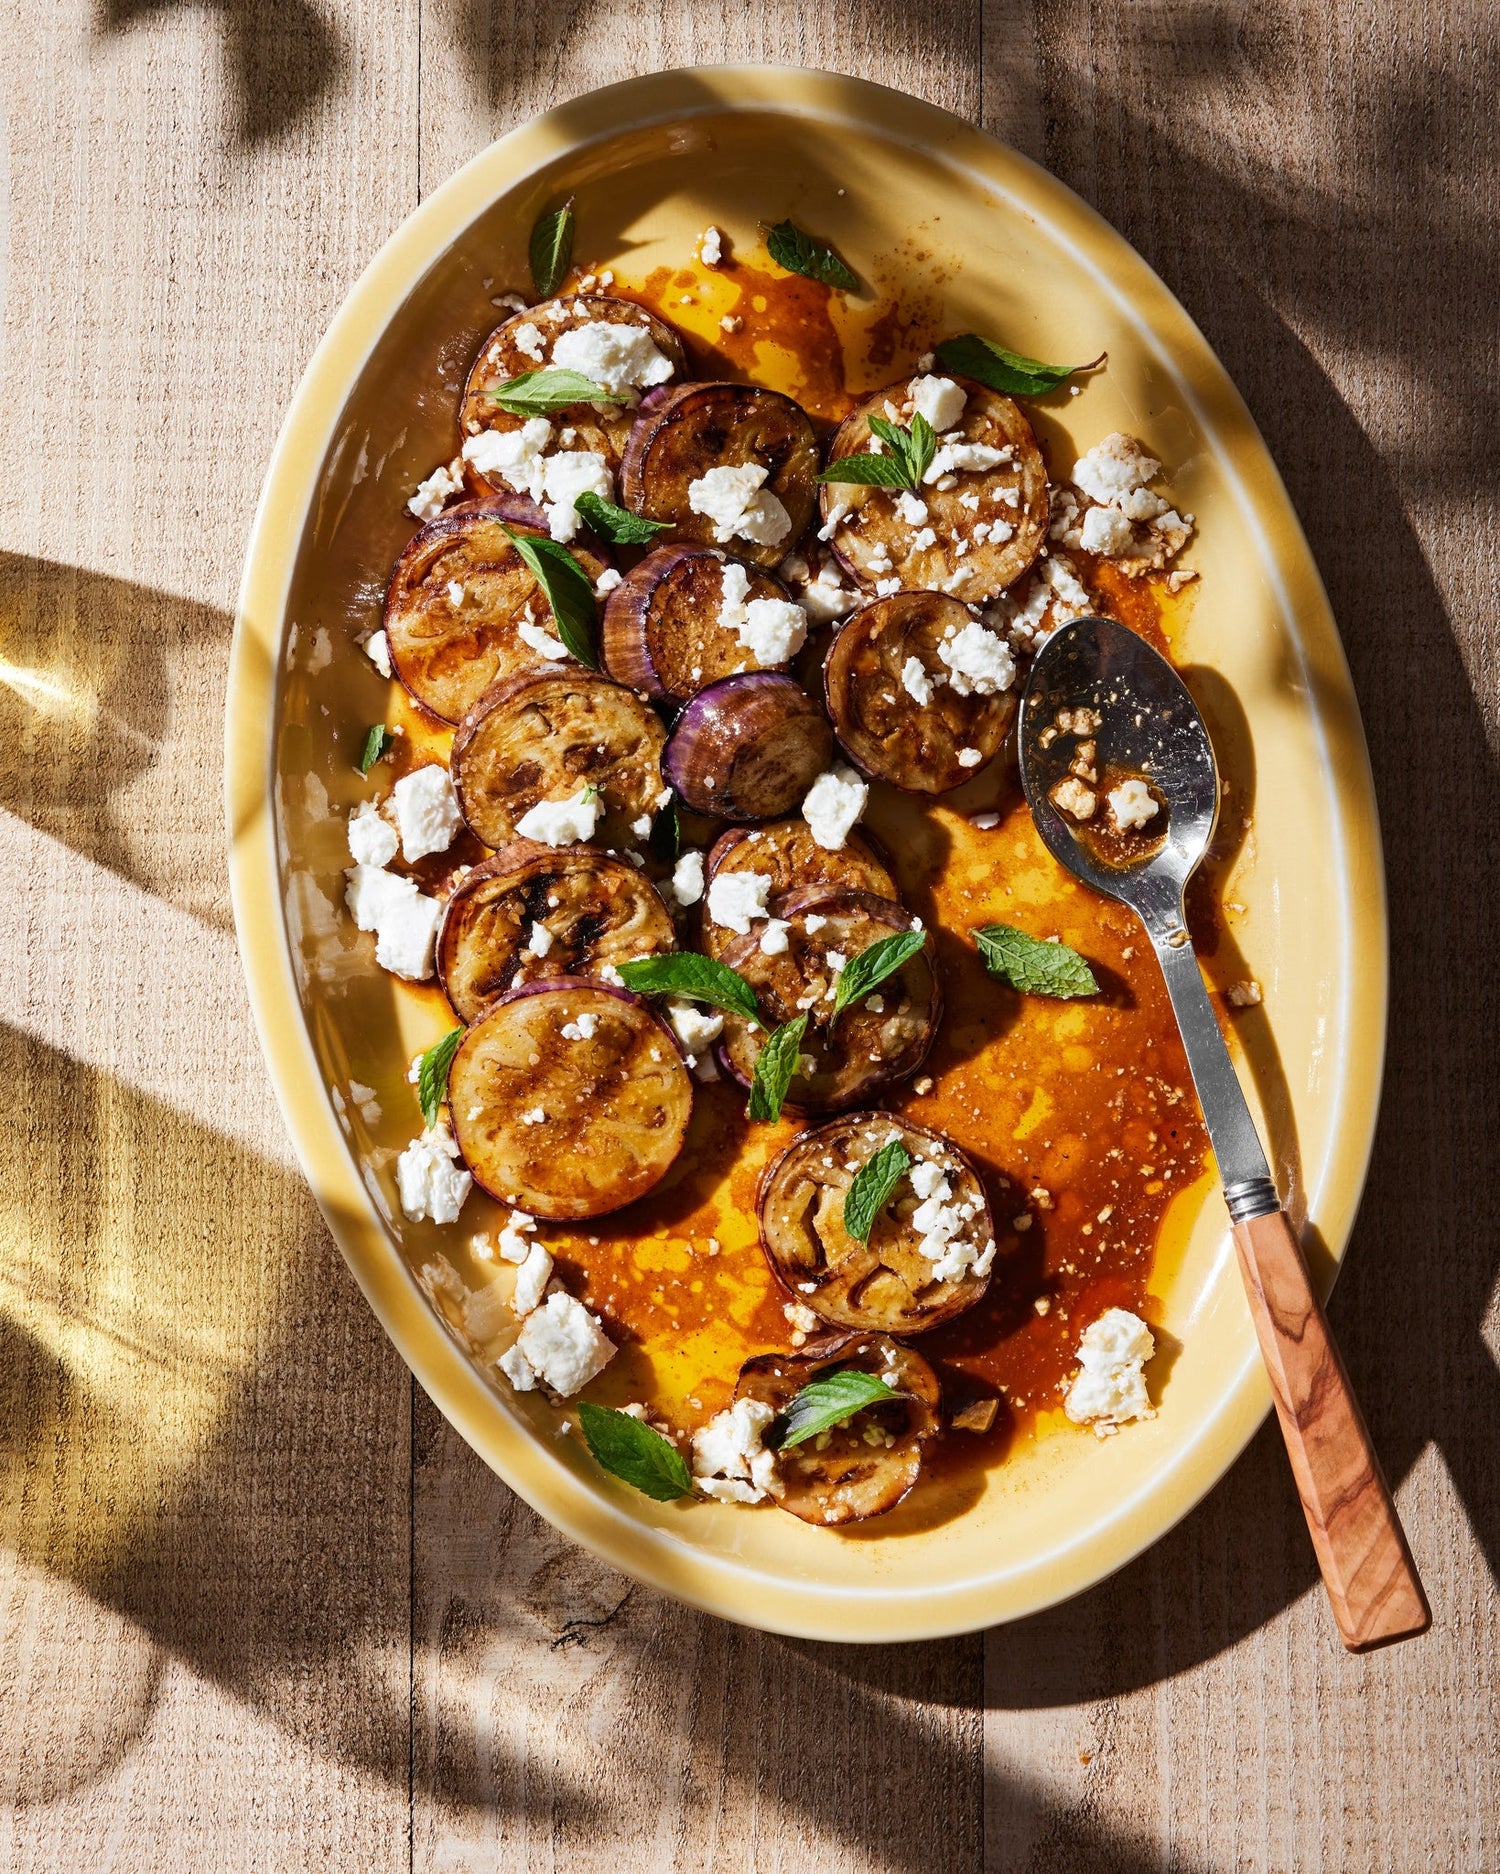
939, 399
540, 940
542, 641
1107, 531
735, 899
564, 1344
377, 647
711, 247
618, 358
527, 339
567, 475
1110, 1387
531, 1280
834, 803
736, 501
517, 1369
562, 822
979, 661
911, 508
426, 812
581, 1030
1131, 804
696, 1028
403, 919
729, 1449
514, 1240
970, 757
1113, 468
429, 1180
607, 581
825, 598
950, 457
372, 840
916, 682
773, 939
687, 878
428, 501
513, 456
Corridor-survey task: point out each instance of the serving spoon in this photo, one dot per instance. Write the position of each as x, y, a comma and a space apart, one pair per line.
1096, 681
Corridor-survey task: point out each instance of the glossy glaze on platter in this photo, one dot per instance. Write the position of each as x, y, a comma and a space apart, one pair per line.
1037, 1529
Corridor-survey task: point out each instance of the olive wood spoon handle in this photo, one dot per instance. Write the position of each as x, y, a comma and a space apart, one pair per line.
1371, 1578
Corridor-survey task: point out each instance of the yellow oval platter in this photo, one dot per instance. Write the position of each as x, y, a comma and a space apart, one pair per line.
1002, 247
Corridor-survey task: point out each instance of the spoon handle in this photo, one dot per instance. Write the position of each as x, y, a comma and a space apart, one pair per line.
1367, 1567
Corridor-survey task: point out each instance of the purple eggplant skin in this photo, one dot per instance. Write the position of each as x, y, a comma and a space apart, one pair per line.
748, 748
660, 632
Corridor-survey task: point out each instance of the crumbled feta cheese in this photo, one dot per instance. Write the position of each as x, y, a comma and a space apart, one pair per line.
773, 939
430, 1181
514, 1240
979, 661
687, 878
517, 1369
737, 503
952, 456
534, 1116
969, 757
527, 339
377, 647
730, 323
774, 630
1107, 531
581, 1030
540, 940
736, 898
426, 812
887, 588
531, 1280
730, 1448
911, 508
812, 923
542, 641
607, 581
1114, 467
1110, 1387
427, 503
1131, 804
564, 1345
403, 919
916, 682
513, 456
837, 512
567, 475
372, 840
834, 802
1245, 995
926, 537
562, 822
939, 399
455, 593
929, 1179
711, 247
1070, 796
618, 358
696, 1028
986, 822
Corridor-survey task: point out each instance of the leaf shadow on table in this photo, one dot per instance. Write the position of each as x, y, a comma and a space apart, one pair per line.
283, 55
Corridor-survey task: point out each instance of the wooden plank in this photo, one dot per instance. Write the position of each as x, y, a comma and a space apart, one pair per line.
1198, 1710
204, 1498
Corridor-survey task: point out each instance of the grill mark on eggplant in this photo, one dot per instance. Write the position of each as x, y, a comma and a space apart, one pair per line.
885, 1286
661, 630
850, 1480
873, 530
616, 1104
786, 852
898, 1036
582, 727
447, 655
883, 729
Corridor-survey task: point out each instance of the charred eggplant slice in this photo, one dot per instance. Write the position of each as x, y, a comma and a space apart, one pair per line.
748, 747
463, 610
569, 1098
879, 1039
787, 854
905, 715
536, 912
968, 531
866, 1466
888, 1283
670, 626
544, 735
525, 343
694, 429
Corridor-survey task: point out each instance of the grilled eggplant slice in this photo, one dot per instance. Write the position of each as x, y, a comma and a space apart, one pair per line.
969, 531
543, 735
524, 344
663, 631
569, 1098
891, 695
458, 599
872, 1042
867, 1466
693, 428
748, 747
536, 912
787, 854
885, 1284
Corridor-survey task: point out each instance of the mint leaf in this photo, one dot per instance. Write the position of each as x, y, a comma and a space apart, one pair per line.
1033, 966
915, 447
378, 739
790, 247
872, 966
432, 1074
552, 249
618, 525
629, 1449
567, 589
870, 471
774, 1067
872, 1186
696, 978
825, 1402
1005, 371
541, 393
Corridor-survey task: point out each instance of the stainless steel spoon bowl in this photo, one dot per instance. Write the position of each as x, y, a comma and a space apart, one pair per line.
1097, 682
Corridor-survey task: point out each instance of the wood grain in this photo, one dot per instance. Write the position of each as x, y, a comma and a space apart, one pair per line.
263, 1608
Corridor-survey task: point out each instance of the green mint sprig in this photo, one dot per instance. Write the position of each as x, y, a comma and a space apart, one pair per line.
694, 978
629, 1449
774, 1067
1003, 370
872, 1187
911, 453
1032, 965
432, 1074
552, 249
794, 249
825, 1402
567, 589
871, 967
543, 393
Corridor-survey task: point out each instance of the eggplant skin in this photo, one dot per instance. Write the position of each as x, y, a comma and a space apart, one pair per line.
883, 729
597, 912
786, 852
850, 1480
865, 1048
543, 735
874, 541
661, 631
449, 651
566, 1128
884, 1285
501, 358
696, 427
748, 747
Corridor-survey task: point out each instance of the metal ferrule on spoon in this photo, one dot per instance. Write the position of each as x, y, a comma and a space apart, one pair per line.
1149, 727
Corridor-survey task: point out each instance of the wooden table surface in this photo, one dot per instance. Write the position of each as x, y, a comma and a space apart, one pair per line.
262, 1610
